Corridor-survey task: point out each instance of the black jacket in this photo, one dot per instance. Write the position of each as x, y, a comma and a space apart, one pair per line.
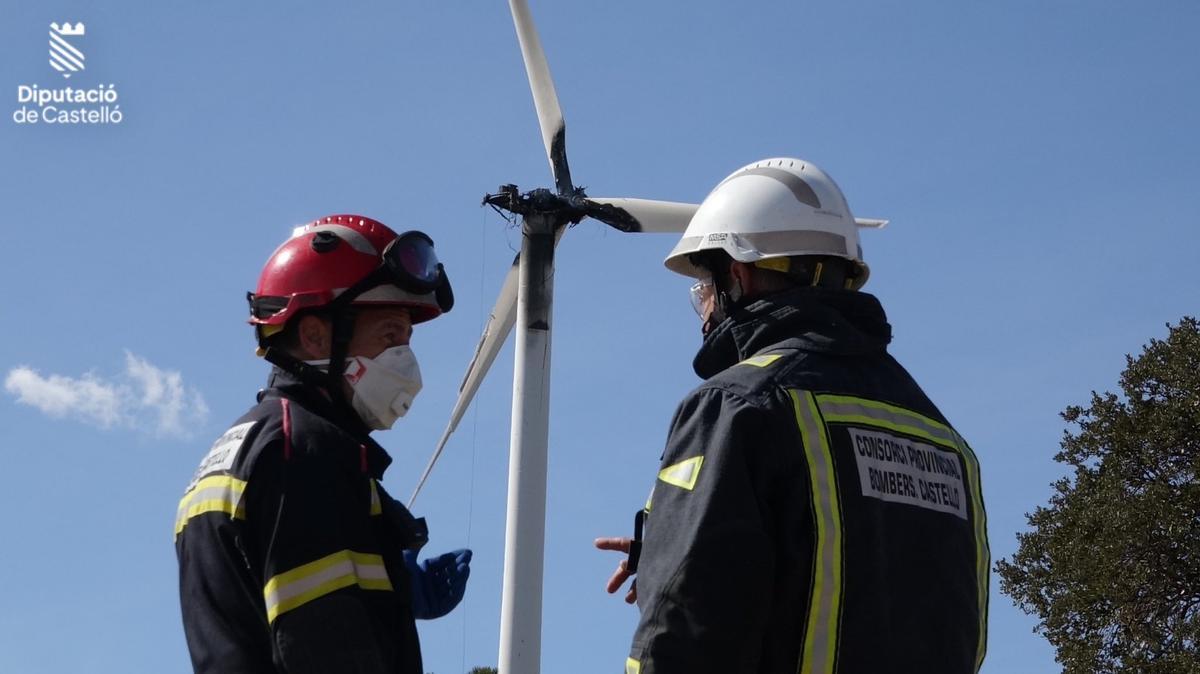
290, 551
814, 512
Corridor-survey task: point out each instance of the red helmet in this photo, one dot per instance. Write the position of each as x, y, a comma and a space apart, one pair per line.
337, 254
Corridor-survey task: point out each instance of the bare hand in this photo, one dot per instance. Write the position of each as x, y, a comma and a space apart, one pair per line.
621, 574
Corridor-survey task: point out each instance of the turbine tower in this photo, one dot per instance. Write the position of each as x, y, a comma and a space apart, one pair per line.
526, 299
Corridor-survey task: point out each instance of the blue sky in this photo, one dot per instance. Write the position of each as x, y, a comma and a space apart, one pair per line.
1036, 161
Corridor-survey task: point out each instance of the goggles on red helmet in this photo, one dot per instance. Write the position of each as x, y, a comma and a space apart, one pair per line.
409, 263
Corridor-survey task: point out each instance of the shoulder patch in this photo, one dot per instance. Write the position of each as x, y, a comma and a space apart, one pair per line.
761, 361
682, 474
223, 453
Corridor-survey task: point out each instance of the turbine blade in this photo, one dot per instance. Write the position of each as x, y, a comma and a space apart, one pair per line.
499, 324
641, 215
495, 332
545, 99
871, 223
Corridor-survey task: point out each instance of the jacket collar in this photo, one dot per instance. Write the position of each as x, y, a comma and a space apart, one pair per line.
284, 384
811, 319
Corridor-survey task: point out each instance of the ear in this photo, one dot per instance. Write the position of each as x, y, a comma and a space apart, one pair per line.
745, 277
314, 337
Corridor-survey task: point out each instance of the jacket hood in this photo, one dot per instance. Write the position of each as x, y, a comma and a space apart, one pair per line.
813, 319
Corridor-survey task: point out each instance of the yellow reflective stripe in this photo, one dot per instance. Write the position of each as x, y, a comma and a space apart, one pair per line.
376, 506
216, 493
983, 553
824, 609
303, 584
761, 361
852, 410
682, 474
782, 264
632, 666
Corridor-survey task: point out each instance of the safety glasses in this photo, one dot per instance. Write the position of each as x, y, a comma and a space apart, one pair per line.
702, 296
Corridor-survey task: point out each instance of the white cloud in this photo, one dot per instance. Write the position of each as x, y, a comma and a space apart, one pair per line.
143, 397
91, 400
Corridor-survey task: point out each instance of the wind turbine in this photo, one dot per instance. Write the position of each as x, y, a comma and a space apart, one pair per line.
526, 299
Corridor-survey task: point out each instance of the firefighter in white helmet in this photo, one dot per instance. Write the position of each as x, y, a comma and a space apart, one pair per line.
814, 511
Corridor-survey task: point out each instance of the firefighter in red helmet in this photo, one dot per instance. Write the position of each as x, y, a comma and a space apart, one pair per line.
292, 556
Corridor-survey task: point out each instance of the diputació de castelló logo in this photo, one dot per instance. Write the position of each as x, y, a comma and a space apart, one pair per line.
64, 56
67, 105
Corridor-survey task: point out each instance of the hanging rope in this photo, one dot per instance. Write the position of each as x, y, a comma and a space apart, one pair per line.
474, 427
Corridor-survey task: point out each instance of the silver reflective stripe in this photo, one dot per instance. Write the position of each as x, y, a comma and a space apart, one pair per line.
821, 626
316, 579
983, 552
227, 490
770, 243
344, 568
683, 474
797, 243
848, 409
215, 493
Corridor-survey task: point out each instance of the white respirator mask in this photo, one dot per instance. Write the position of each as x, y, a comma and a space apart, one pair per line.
384, 386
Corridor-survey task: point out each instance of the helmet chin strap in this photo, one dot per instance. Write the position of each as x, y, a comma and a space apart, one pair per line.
343, 328
342, 317
309, 374
327, 380
342, 320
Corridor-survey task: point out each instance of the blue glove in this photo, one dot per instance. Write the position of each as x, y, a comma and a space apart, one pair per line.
438, 583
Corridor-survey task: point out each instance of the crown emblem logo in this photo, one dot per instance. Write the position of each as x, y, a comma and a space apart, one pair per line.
68, 29
65, 57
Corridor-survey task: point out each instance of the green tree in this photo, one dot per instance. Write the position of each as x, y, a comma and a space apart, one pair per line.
1111, 566
483, 670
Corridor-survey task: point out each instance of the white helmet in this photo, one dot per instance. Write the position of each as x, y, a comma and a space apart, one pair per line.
773, 208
